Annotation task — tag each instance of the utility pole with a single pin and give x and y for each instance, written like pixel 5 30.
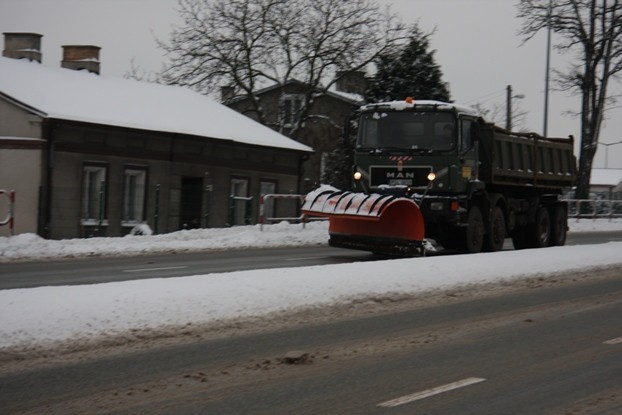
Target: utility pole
pixel 546 77
pixel 508 108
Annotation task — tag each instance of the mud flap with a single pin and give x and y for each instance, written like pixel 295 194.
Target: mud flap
pixel 371 222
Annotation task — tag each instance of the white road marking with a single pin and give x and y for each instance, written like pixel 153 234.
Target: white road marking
pixel 431 392
pixel 304 259
pixel 152 269
pixel 614 341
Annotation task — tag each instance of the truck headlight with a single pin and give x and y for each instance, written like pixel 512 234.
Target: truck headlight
pixel 357 176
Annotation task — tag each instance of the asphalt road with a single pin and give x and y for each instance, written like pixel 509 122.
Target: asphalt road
pixel 554 349
pixel 99 270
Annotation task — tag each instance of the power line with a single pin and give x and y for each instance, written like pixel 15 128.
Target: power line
pixel 490 96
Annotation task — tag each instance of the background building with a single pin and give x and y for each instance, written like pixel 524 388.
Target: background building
pixel 90 155
pixel 324 125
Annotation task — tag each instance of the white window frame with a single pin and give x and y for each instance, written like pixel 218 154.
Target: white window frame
pixel 134 195
pixel 291 106
pixel 239 189
pixel 93 176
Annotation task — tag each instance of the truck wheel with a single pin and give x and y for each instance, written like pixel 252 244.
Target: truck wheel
pixel 520 237
pixel 541 230
pixel 474 232
pixel 559 226
pixel 496 231
pixel 451 239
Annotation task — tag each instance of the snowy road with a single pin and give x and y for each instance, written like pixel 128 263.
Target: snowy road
pixel 92 270
pixel 548 348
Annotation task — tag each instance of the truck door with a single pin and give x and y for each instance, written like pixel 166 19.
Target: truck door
pixel 468 147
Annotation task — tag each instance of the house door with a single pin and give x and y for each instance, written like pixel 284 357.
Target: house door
pixel 190 207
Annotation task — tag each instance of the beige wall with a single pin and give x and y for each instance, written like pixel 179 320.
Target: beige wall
pixel 20 165
pixel 15 121
pixel 26 186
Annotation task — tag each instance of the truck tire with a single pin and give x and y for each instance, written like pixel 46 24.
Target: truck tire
pixel 474 232
pixel 540 231
pixel 451 239
pixel 559 226
pixel 520 237
pixel 495 237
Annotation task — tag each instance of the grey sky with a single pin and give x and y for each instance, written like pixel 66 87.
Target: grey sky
pixel 476 41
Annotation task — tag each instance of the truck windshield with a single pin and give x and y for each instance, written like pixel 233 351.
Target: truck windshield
pixel 424 131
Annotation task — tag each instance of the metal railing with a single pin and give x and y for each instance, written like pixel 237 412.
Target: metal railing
pixel 594 209
pixel 296 216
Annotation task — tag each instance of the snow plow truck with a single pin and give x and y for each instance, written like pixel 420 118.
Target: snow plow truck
pixel 434 170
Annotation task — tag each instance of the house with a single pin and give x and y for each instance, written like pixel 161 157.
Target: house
pixel 92 155
pixel 607 183
pixel 324 125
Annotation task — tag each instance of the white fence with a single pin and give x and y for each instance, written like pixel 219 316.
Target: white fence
pixel 594 209
pixel 579 209
pixel 296 215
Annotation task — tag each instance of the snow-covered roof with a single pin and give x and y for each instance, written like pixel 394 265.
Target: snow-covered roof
pixel 606 177
pixel 408 105
pixel 353 98
pixel 82 96
pixel 349 97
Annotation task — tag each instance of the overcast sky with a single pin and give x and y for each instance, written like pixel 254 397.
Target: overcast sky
pixel 476 45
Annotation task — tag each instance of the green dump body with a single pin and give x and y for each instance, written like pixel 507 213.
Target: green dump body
pixel 525 159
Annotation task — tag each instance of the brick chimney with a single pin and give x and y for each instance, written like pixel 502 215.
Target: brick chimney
pixel 80 57
pixel 22 46
pixel 351 81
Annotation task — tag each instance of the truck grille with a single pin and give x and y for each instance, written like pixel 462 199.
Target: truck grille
pixel 405 176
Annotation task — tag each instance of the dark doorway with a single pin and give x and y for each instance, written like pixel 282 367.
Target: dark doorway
pixel 190 207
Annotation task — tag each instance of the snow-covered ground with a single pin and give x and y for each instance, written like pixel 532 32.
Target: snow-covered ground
pixel 40 316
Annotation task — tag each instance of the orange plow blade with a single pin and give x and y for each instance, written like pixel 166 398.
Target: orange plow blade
pixel 370 222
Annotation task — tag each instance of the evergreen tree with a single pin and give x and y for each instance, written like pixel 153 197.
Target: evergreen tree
pixel 409 72
pixel 338 163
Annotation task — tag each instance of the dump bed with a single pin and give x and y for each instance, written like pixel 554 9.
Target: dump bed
pixel 526 159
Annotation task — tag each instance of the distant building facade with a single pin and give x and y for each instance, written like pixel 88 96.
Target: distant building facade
pixel 94 156
pixel 606 183
pixel 325 123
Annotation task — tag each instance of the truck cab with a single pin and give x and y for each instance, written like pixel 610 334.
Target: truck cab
pixel 400 144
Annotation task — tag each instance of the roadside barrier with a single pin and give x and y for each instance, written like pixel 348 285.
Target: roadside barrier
pixel 263 199
pixel 594 208
pixel 10 218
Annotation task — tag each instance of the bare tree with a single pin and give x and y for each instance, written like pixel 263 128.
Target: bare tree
pixel 250 44
pixel 592 31
pixel 496 113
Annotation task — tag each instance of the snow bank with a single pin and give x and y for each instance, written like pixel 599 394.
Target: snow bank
pixel 39 316
pixel 30 246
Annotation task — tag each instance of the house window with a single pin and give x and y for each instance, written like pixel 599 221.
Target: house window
pixel 93 192
pixel 292 105
pixel 239 213
pixel 134 191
